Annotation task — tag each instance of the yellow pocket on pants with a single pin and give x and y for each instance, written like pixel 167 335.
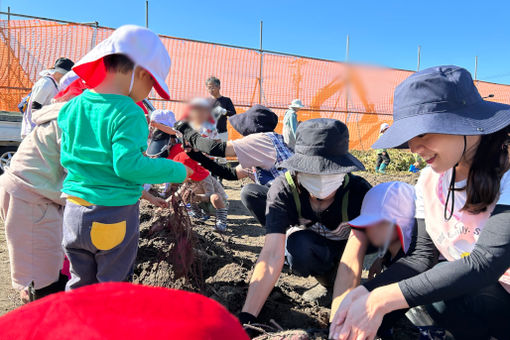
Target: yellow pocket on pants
pixel 107 236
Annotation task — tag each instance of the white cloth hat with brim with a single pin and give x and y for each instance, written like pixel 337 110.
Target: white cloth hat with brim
pixel 165 117
pixel 296 104
pixel 393 202
pixel 140 44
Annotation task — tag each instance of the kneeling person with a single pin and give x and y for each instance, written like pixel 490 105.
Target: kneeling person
pixel 318 196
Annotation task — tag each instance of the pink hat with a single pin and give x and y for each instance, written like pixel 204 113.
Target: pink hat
pixel 393 202
pixel 140 44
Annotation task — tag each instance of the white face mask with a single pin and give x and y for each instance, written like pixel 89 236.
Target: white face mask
pixel 321 186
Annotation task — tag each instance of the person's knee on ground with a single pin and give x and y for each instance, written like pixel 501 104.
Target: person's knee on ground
pixel 306 257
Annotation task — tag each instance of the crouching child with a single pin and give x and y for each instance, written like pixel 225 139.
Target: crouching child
pixel 207 194
pixel 104 136
pixel 386 222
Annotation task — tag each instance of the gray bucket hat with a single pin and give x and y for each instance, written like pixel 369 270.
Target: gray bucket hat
pixel 322 147
pixel 444 100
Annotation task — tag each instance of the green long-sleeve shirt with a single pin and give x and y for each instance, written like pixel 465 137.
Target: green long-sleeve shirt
pixel 103 140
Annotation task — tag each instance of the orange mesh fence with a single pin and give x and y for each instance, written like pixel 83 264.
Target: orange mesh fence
pixel 360 96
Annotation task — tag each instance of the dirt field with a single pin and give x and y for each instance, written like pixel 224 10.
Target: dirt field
pixel 222 264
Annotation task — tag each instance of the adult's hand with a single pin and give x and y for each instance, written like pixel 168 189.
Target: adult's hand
pixel 340 316
pixel 362 321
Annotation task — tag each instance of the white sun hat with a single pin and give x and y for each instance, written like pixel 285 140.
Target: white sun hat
pixel 165 117
pixel 393 202
pixel 140 44
pixel 296 104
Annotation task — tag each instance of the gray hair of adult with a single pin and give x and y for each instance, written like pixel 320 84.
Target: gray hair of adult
pixel 213 80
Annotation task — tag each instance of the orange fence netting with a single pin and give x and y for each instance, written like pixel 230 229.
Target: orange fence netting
pixel 360 96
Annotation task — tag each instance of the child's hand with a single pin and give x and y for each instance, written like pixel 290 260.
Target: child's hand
pixel 189 172
pixel 159 202
pixel 375 268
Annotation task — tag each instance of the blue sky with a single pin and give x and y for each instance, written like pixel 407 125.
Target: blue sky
pixel 381 32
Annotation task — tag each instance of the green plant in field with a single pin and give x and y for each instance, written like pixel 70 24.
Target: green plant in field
pixel 400 159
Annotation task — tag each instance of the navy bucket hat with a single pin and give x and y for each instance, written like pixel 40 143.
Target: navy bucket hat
pixel 322 147
pixel 257 118
pixel 442 100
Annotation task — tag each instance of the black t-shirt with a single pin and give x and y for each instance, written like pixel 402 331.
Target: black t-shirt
pixel 281 210
pixel 226 103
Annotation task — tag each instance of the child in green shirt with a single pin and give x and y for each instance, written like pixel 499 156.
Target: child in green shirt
pixel 104 135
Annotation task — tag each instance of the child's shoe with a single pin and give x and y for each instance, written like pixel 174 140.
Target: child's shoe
pixel 195 212
pixel 220 226
pixel 382 168
pixel 221 219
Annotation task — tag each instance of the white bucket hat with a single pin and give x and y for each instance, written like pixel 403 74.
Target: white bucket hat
pixel 140 44
pixel 296 104
pixel 165 117
pixel 393 202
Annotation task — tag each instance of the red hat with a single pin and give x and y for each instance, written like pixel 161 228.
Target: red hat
pixel 199 172
pixel 122 311
pixel 145 111
pixel 72 90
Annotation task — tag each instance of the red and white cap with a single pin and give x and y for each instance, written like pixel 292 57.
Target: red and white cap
pixel 140 44
pixel 393 202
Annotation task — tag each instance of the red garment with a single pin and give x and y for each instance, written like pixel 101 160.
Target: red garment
pixel 122 311
pixel 178 154
pixel 145 111
pixel 74 89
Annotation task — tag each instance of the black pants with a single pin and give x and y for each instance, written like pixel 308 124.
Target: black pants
pixel 309 253
pixel 478 315
pixel 254 197
pixel 383 157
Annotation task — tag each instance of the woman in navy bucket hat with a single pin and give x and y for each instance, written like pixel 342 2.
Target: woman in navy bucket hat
pixel 462 212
